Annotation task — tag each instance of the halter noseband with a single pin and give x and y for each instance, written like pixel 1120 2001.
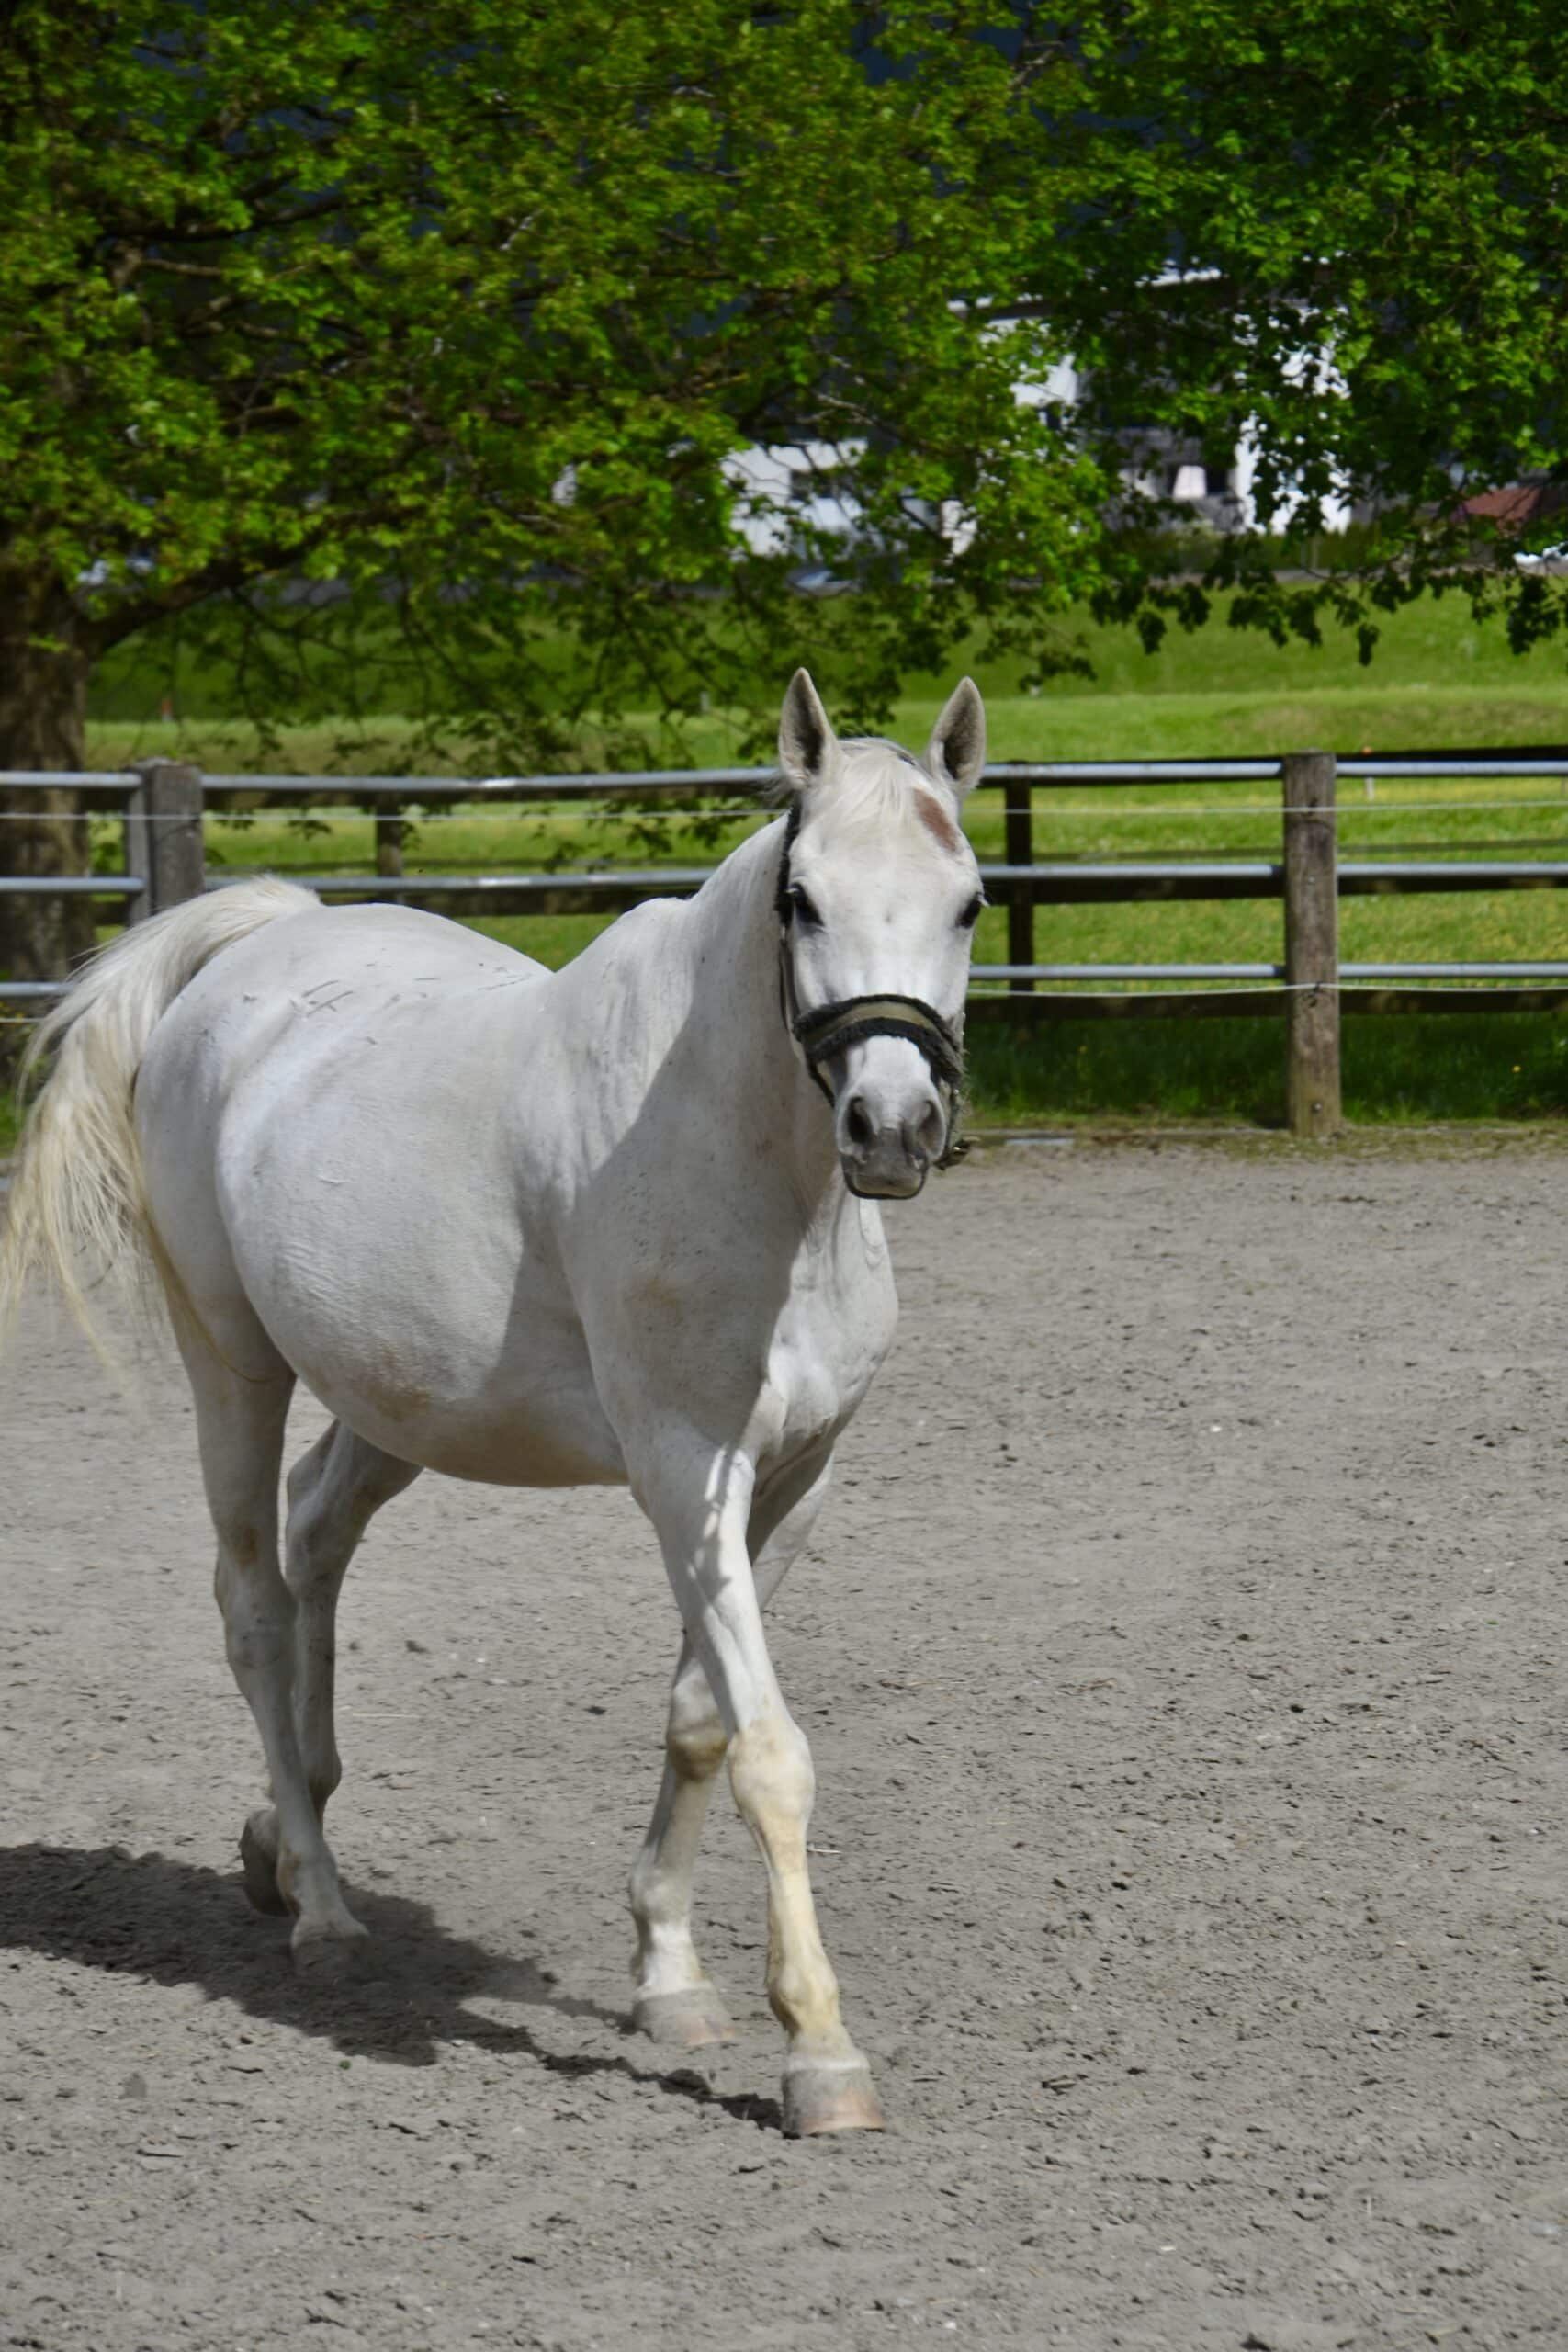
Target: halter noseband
pixel 831 1029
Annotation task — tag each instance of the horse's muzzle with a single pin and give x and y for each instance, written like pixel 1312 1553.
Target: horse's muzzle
pixel 885 1150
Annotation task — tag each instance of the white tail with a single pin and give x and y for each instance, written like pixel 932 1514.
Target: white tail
pixel 77 1206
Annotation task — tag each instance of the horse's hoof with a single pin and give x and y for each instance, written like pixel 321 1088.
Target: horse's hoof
pixel 692 2019
pixel 829 2099
pixel 330 1953
pixel 260 1863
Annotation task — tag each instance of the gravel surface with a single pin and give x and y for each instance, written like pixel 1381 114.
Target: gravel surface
pixel 1181 1654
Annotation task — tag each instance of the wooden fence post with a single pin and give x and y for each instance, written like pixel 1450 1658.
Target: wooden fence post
pixel 175 861
pixel 1312 944
pixel 1017 801
pixel 387 822
pixel 137 854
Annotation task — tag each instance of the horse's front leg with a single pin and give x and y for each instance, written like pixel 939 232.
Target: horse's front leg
pixel 700 1502
pixel 676 2002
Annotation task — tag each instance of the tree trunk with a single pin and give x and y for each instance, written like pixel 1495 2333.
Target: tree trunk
pixel 43 707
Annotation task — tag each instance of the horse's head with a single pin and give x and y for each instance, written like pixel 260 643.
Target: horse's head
pixel 877 897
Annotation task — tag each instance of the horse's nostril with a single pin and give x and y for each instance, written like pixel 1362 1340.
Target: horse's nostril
pixel 930 1134
pixel 858 1128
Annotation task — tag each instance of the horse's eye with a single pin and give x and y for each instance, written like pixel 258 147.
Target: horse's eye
pixel 802 907
pixel 971 914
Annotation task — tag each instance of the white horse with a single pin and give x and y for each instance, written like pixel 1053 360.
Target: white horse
pixel 543 1230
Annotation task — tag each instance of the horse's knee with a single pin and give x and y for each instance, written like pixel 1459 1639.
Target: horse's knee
pixel 695 1739
pixel 771 1775
pixel 696 1752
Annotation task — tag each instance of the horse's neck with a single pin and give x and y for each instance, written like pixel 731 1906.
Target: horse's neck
pixel 739 1025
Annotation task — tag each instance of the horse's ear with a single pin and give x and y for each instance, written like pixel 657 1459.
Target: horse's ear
pixel 806 741
pixel 956 753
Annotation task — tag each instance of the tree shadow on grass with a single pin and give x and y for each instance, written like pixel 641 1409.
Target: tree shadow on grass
pixel 176 1923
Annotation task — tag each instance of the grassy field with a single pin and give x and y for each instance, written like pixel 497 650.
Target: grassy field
pixel 1436 676
pixel 1437 681
pixel 1248 720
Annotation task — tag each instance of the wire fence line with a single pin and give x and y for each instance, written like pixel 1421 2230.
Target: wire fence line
pixel 328 810
pixel 750 814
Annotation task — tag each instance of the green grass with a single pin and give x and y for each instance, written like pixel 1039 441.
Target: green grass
pixel 1433 645
pixel 1436 677
pixel 1245 721
pixel 1397 1069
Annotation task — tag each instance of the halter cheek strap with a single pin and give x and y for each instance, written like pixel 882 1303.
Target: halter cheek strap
pixel 832 1029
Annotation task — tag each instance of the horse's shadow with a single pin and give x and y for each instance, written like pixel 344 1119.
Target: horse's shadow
pixel 176 1923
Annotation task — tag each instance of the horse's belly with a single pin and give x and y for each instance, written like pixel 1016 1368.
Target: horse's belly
pixel 457 1347
pixel 534 1422
pixel 526 1441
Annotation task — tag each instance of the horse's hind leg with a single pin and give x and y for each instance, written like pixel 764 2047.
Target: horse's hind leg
pixel 239 1421
pixel 334 1490
pixel 676 2002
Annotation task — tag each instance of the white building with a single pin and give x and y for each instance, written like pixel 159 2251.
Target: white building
pixel 798 494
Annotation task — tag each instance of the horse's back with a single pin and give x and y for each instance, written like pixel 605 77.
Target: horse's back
pixel 363 956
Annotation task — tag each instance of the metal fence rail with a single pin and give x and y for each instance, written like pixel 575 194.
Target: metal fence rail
pixel 161 806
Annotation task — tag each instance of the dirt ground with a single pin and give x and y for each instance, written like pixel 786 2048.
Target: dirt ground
pixel 1182 1656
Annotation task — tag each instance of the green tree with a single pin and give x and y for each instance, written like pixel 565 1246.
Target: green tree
pixel 1370 200
pixel 464 309
pixel 428 337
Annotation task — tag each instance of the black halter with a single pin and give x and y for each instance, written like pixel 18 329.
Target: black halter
pixel 831 1029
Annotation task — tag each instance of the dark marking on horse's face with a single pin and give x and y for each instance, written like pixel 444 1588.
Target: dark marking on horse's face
pixel 937 822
